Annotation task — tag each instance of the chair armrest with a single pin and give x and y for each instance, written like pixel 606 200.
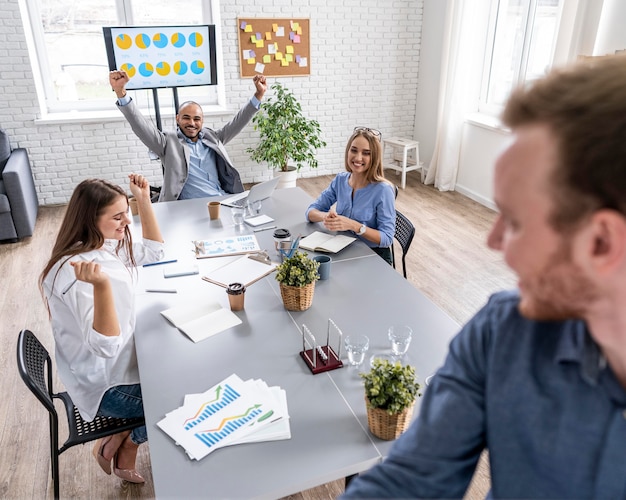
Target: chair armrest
pixel 20 187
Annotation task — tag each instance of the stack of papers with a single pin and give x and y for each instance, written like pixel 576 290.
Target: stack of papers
pixel 231 412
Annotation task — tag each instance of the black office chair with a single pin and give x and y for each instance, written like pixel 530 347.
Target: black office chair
pixel 35 367
pixel 404 234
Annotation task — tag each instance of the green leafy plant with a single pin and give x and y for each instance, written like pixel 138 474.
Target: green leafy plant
pixel 285 133
pixel 390 386
pixel 297 270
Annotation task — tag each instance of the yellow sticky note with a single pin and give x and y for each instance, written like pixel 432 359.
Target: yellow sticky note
pixel 260 44
pixel 268 35
pixel 289 57
pixel 248 28
pixel 253 38
pixel 267 59
pixel 299 30
pixel 289 49
pixel 274 27
pixel 279 56
pixel 252 60
pixel 295 26
pixel 284 62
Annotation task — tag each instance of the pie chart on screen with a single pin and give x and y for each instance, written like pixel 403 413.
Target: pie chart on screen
pixel 123 41
pixel 162 68
pixel 197 67
pixel 180 67
pixel 159 40
pixel 146 69
pixel 178 40
pixel 195 39
pixel 129 68
pixel 142 41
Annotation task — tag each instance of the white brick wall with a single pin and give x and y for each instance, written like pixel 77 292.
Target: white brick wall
pixel 364 62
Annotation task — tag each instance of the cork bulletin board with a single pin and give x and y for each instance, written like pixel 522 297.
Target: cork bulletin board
pixel 274 47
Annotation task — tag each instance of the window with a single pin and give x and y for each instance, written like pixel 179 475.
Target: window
pixel 523 38
pixel 69 53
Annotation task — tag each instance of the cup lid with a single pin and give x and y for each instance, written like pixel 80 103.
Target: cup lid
pixel 282 233
pixel 235 288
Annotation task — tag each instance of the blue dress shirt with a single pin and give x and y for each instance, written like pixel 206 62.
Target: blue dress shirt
pixel 538 395
pixel 373 205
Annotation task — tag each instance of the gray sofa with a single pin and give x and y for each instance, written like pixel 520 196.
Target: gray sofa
pixel 18 197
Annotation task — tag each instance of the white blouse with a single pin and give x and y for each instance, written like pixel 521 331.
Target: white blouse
pixel 88 362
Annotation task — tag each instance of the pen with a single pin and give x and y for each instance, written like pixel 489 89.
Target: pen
pixel 157 290
pixel 160 262
pixel 71 284
pixel 263 229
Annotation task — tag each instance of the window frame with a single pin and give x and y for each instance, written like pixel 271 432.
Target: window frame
pixel 51 108
pixel 562 38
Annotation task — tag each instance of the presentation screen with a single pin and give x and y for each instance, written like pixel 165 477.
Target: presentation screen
pixel 163 56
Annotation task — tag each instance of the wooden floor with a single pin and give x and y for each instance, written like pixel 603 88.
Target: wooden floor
pixel 448 261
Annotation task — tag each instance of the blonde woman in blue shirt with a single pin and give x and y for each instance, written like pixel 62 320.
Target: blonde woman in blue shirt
pixel 360 200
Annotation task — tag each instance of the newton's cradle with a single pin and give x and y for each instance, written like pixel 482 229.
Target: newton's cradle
pixel 321 358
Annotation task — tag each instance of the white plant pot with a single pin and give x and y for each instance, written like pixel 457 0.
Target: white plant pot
pixel 287 179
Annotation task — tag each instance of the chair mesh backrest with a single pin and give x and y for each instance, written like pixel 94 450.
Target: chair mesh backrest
pixel 33 362
pixel 404 231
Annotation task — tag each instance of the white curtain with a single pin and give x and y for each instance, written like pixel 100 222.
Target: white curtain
pixel 461 70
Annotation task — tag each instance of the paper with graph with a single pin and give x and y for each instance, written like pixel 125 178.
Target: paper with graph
pixel 229 413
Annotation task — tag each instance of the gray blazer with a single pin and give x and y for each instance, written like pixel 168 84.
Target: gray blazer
pixel 171 148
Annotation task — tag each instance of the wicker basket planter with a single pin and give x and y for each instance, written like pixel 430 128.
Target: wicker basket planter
pixel 297 298
pixel 386 426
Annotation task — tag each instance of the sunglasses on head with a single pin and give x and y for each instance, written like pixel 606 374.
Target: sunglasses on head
pixel 373 131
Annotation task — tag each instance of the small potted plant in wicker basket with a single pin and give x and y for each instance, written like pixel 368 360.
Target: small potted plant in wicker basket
pixel 297 275
pixel 390 393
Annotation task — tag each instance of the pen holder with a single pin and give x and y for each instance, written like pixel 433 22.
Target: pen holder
pixel 236 293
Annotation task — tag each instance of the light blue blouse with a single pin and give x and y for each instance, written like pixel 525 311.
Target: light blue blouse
pixel 373 205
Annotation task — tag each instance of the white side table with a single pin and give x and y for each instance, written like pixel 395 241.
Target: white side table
pixel 401 160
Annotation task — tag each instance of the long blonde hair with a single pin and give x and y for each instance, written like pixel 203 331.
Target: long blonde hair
pixel 375 171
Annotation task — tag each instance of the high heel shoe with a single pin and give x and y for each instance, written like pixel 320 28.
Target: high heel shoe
pixel 98 453
pixel 130 475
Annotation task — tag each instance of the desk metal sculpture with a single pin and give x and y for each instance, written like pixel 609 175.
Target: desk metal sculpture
pixel 321 358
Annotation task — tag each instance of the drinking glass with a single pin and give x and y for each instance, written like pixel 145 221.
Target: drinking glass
pixel 400 337
pixel 254 208
pixel 356 346
pixel 238 214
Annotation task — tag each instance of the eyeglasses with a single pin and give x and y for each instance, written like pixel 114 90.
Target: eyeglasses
pixel 373 131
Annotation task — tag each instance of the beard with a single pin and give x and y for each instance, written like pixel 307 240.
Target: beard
pixel 559 292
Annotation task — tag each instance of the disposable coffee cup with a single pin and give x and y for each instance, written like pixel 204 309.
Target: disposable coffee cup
pixel 214 209
pixel 132 203
pixel 236 293
pixel 282 240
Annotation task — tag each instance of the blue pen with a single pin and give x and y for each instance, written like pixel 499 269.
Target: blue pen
pixel 161 262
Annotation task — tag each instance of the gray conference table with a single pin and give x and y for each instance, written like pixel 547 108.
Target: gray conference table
pixel 329 437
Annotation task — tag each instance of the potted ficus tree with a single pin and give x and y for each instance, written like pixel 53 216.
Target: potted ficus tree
pixel 391 390
pixel 297 276
pixel 288 140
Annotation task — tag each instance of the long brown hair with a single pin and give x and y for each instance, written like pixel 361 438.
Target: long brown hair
pixel 79 230
pixel 375 171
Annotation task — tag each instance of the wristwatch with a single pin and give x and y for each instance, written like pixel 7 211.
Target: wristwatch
pixel 362 229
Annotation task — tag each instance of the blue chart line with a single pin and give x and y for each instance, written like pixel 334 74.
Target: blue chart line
pixel 213 438
pixel 228 397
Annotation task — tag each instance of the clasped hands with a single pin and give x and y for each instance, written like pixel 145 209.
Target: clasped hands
pixel 335 222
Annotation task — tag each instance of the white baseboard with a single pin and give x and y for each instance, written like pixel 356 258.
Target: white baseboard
pixel 472 195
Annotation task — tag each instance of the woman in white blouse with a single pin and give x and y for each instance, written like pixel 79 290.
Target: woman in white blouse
pixel 88 286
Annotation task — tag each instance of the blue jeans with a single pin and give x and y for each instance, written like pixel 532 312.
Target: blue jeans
pixel 124 401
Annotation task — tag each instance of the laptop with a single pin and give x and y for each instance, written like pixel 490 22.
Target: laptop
pixel 259 191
